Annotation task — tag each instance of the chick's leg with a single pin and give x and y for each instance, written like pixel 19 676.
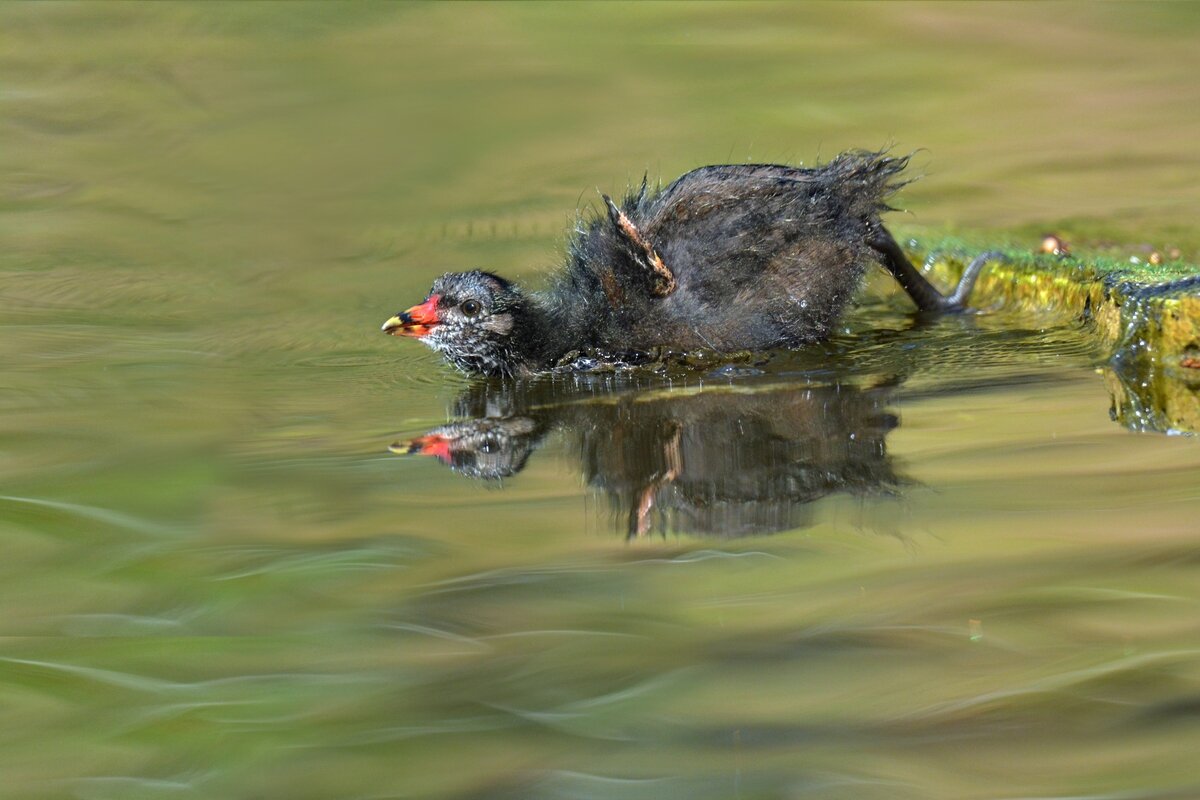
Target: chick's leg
pixel 922 292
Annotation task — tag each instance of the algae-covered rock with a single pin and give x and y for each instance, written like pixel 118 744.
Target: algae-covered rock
pixel 1146 311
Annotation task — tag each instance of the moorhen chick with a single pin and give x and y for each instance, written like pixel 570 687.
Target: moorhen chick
pixel 726 258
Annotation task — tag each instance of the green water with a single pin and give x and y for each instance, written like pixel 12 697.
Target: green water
pixel 921 561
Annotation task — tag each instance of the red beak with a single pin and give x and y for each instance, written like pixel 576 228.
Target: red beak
pixel 417 321
pixel 432 444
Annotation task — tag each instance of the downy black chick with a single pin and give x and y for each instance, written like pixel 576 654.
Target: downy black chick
pixel 726 258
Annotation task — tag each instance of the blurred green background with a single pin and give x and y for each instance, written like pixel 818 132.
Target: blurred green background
pixel 217 582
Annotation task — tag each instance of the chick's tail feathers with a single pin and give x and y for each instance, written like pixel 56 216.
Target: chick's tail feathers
pixel 865 179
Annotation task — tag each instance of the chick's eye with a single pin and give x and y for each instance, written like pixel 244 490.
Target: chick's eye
pixel 471 307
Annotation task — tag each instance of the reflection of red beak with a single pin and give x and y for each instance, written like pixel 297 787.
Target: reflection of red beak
pixel 417 321
pixel 431 444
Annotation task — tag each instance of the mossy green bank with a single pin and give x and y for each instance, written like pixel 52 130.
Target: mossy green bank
pixel 1142 304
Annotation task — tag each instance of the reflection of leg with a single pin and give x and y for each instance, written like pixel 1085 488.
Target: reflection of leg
pixel 673 455
pixel 639 515
pixel 921 290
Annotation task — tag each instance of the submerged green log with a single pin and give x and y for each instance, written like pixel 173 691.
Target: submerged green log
pixel 1146 311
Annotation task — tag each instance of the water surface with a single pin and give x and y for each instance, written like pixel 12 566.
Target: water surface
pixel 919 561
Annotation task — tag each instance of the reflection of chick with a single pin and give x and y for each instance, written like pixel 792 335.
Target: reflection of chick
pixel 716 462
pixel 736 464
pixel 478 448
